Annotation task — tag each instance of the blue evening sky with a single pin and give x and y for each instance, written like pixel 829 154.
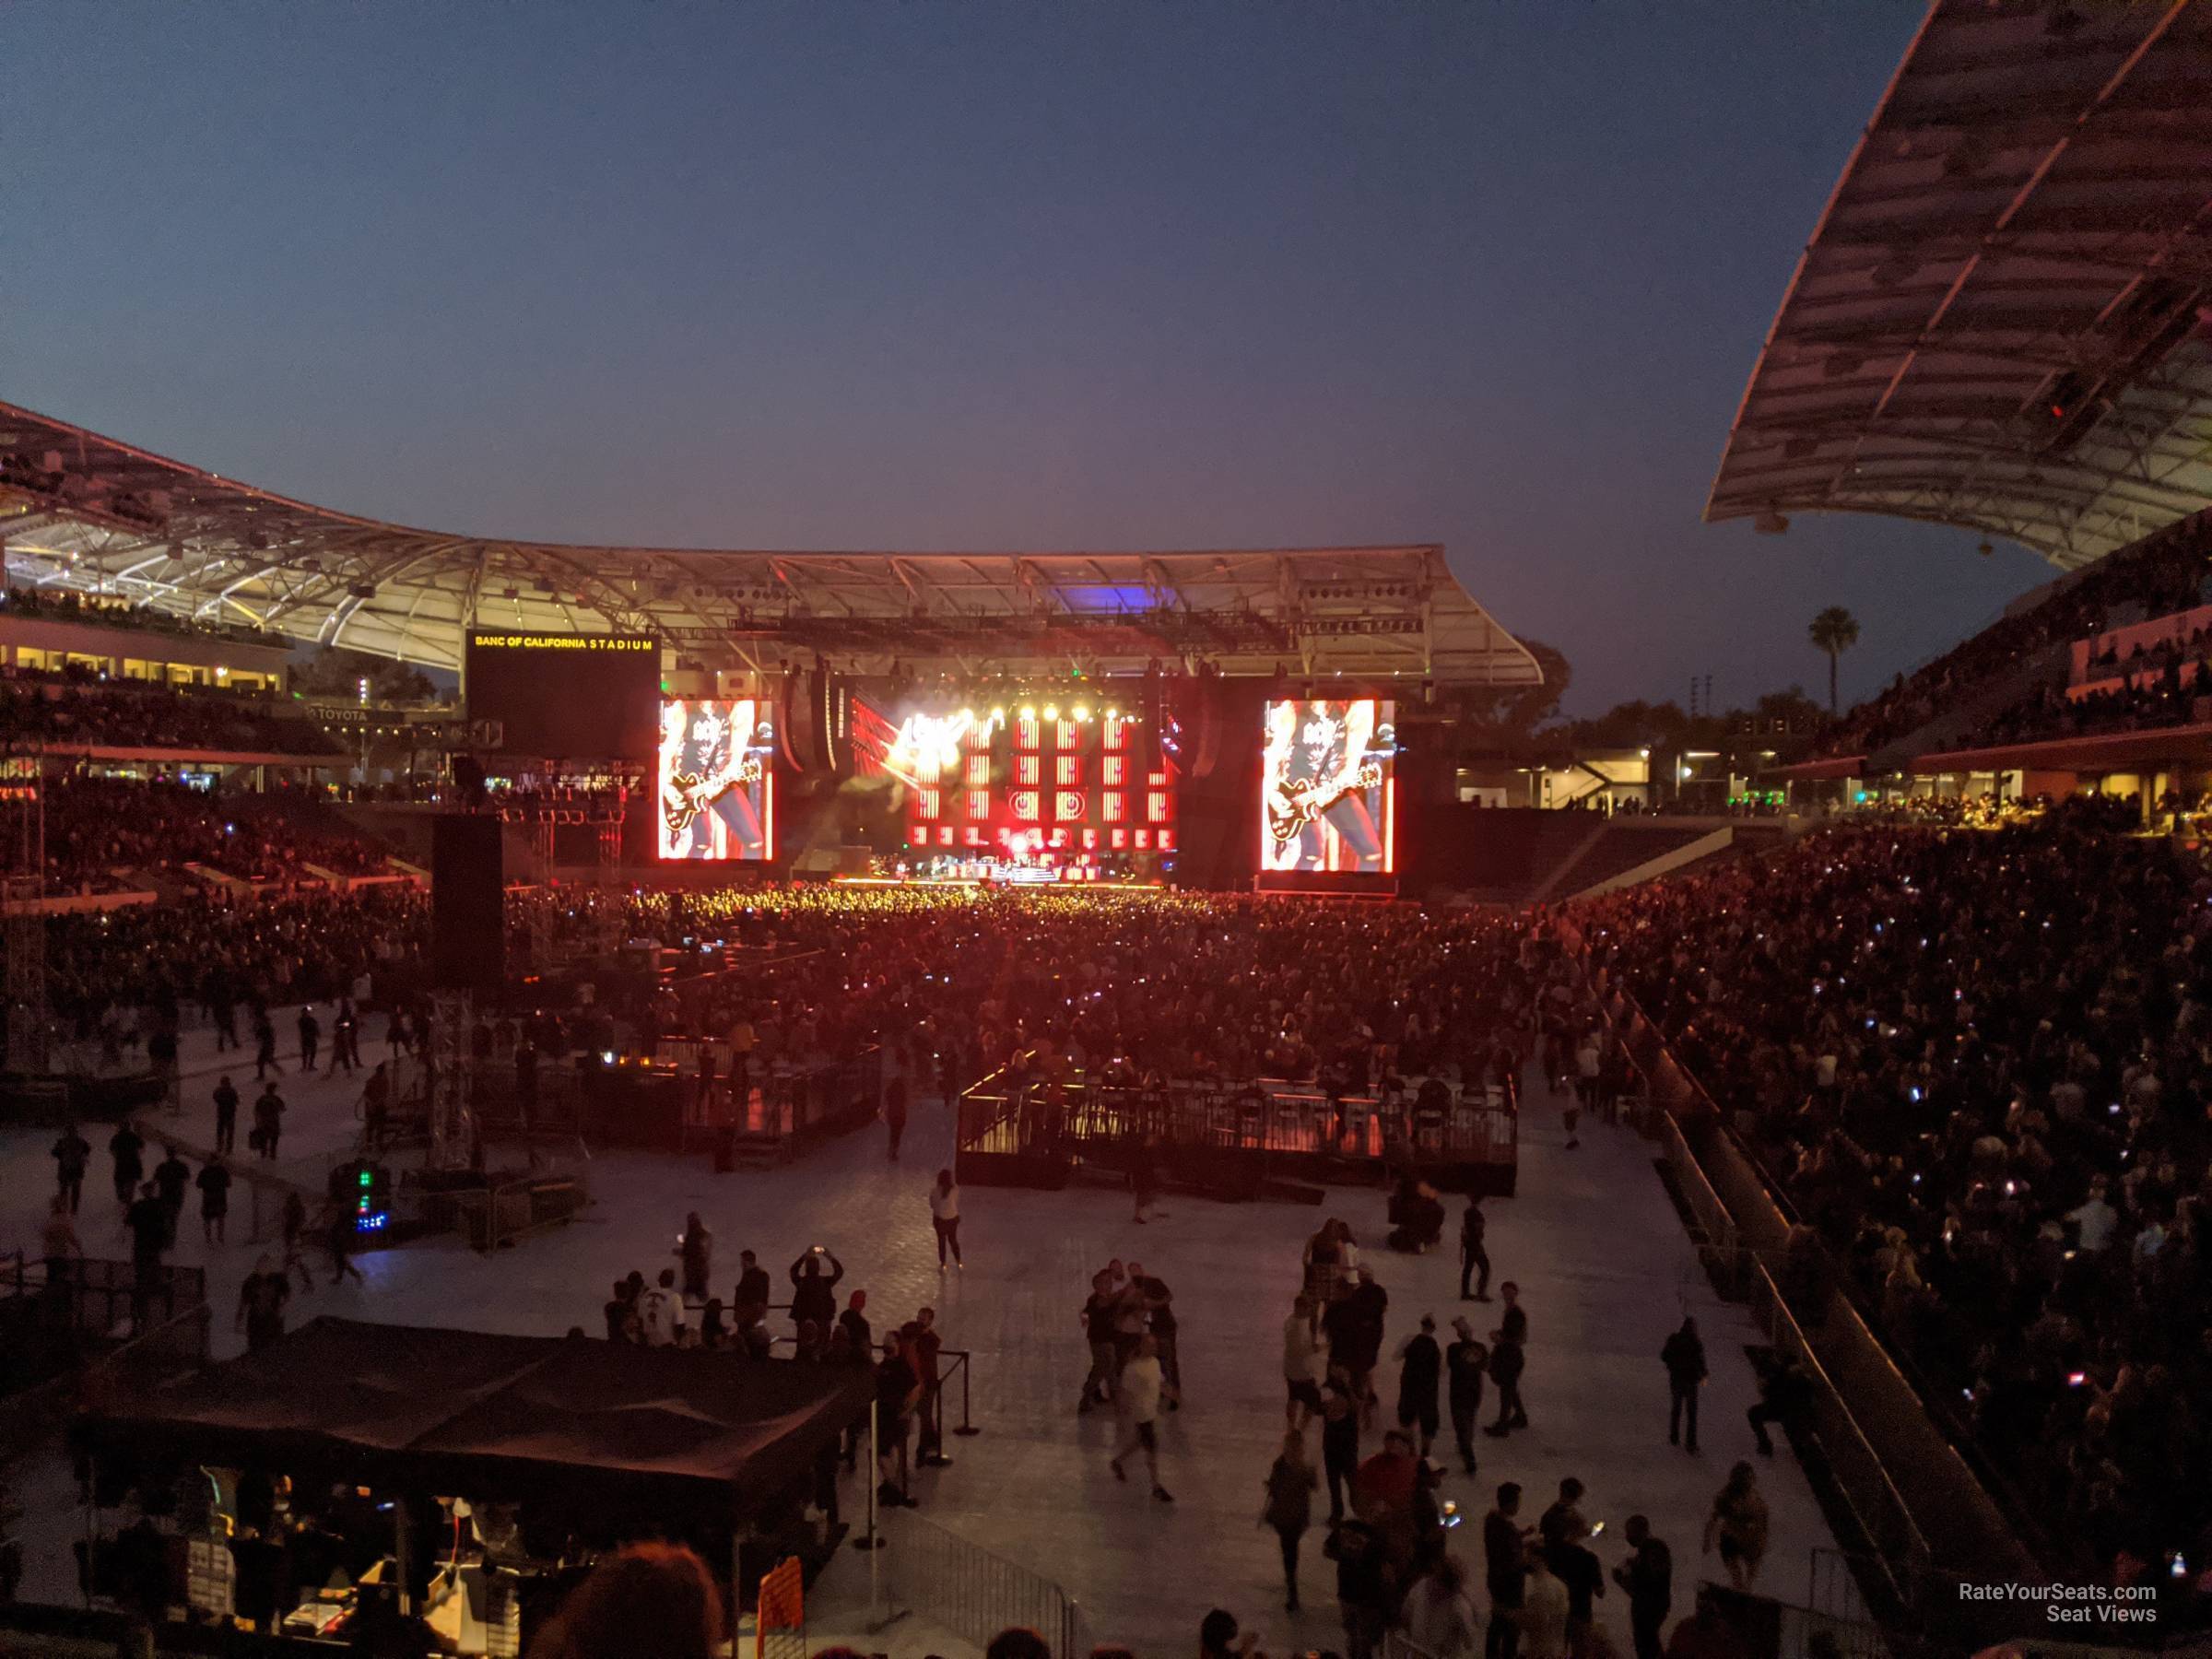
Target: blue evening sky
pixel 1048 274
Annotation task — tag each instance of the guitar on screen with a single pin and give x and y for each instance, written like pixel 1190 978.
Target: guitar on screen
pixel 1299 804
pixel 686 795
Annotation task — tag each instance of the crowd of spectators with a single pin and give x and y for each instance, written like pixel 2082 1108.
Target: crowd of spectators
pixel 1990 810
pixel 101 830
pixel 2176 650
pixel 61 604
pixel 1166 986
pixel 2162 574
pixel 2174 698
pixel 1974 1054
pixel 72 708
pixel 678 1308
pixel 142 963
pixel 1978 1067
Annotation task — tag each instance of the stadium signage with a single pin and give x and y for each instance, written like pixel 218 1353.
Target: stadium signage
pixel 539 641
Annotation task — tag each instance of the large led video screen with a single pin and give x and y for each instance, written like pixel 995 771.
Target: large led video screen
pixel 566 697
pixel 717 779
pixel 1327 796
pixel 1079 781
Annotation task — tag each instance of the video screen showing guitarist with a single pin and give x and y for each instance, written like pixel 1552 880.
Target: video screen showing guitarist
pixel 714 779
pixel 1321 785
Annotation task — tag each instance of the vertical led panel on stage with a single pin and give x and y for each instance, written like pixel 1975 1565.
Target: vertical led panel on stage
pixel 1328 789
pixel 1060 784
pixel 717 779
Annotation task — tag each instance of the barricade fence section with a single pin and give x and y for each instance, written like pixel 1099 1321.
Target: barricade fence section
pixel 1292 1125
pixel 967 1591
pixel 780 1613
pixel 1880 1509
pixel 1723 1256
pixel 496 1217
pixel 81 1297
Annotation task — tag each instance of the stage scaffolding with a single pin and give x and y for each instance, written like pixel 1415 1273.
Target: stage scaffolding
pixel 453 1125
pixel 23 883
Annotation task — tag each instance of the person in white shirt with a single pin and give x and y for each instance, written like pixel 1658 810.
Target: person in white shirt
pixel 1543 1616
pixel 945 1216
pixel 1305 1363
pixel 2094 1219
pixel 662 1313
pixel 1439 1617
pixel 1139 1393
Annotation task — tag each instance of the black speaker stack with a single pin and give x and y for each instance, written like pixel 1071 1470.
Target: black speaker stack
pixel 468 924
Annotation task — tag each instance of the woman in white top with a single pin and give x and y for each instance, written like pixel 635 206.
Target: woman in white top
pixel 1543 1613
pixel 945 1216
pixel 1139 1393
pixel 1438 1617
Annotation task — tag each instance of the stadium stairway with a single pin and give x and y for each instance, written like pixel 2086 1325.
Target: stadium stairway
pixel 1521 851
pixel 1633 849
pixel 166 889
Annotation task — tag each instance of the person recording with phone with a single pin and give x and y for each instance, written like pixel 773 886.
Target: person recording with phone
pixel 814 1292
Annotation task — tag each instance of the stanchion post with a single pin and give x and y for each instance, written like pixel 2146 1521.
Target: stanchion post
pixel 402 1567
pixel 871 1540
pixel 933 1414
pixel 966 1365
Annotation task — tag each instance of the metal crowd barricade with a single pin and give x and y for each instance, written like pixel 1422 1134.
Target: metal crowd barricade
pixel 962 1588
pixel 499 1216
pixel 85 1297
pixel 1000 1115
pixel 780 1615
pixel 1858 1470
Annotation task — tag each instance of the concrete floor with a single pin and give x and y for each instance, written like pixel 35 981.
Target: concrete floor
pixel 1605 1270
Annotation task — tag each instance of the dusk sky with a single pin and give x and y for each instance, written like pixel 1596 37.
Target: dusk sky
pixel 1100 273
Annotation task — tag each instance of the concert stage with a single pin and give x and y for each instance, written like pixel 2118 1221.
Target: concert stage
pixel 1231 1143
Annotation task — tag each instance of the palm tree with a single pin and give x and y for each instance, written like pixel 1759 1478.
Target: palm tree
pixel 1834 630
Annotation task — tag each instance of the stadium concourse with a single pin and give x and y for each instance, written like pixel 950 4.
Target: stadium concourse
pixel 1604 1267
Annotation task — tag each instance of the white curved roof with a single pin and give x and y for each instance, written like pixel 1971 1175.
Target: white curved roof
pixel 2000 321
pixel 82 512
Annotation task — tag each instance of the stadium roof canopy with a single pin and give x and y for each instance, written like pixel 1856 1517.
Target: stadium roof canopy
pixel 83 512
pixel 2000 321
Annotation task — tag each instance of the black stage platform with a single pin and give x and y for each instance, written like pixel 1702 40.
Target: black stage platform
pixel 1232 1142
